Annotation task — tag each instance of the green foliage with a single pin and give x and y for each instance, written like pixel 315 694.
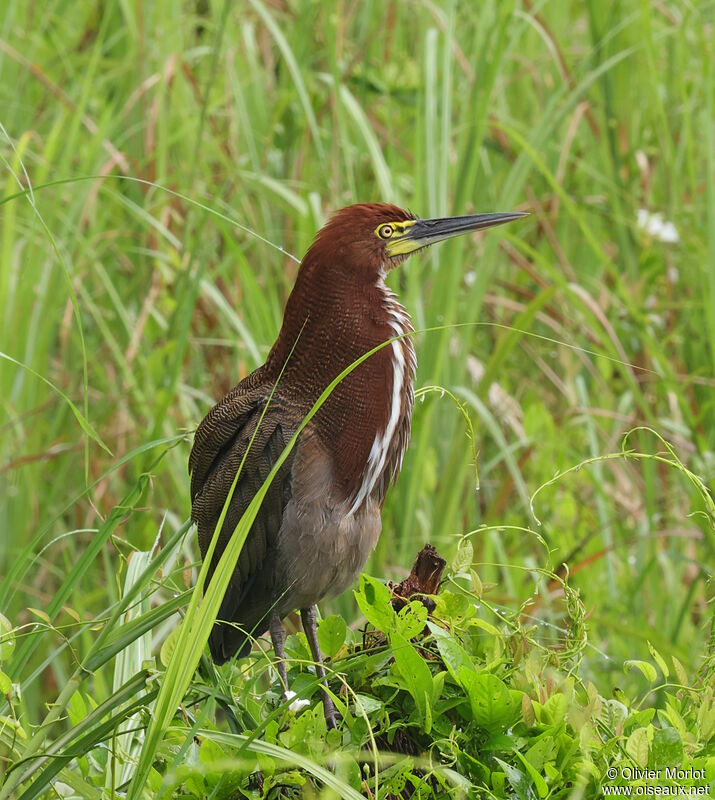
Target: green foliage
pixel 436 704
pixel 161 166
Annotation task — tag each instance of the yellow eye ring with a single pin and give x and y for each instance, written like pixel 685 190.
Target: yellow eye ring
pixel 385 231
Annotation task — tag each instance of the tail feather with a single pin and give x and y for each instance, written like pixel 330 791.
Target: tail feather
pixel 238 624
pixel 228 640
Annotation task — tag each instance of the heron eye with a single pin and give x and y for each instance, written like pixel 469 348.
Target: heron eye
pixel 385 231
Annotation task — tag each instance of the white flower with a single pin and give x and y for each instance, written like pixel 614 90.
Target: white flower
pixel 297 704
pixel 657 227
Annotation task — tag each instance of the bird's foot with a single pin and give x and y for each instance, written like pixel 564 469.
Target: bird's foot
pixel 331 714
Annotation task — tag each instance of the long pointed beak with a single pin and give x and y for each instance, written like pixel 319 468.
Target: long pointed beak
pixel 423 232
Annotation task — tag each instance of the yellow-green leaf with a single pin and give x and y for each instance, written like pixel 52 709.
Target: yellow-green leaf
pixel 647 669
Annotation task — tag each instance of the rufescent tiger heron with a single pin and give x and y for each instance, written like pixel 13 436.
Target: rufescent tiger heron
pixel 321 516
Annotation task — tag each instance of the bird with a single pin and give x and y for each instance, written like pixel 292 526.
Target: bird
pixel 321 516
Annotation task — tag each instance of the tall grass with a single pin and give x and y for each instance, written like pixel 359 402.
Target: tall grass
pixel 162 166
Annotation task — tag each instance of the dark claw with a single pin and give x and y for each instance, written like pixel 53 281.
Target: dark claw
pixel 331 715
pixel 308 618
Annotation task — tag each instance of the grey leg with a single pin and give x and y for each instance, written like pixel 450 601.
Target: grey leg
pixel 278 637
pixel 308 618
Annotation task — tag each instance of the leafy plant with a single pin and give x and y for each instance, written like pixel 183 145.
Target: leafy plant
pixel 163 166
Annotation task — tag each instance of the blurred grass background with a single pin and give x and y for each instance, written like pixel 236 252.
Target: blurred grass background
pixel 162 160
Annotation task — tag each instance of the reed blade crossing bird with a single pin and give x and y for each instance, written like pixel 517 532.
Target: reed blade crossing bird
pixel 321 516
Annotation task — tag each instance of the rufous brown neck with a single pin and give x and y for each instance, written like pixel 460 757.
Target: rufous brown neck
pixel 334 315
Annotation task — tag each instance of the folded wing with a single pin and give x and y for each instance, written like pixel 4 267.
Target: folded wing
pixel 221 442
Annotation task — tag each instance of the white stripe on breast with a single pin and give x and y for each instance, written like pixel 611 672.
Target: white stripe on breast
pixel 381 445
